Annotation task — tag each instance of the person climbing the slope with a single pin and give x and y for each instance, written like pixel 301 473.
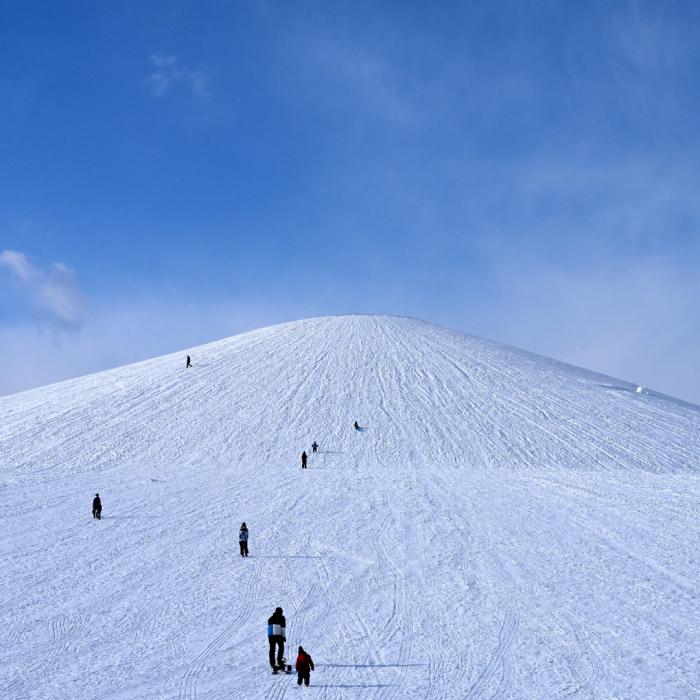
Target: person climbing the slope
pixel 356 426
pixel 303 459
pixel 97 507
pixel 304 666
pixel 314 447
pixel 243 540
pixel 276 636
pixel 189 362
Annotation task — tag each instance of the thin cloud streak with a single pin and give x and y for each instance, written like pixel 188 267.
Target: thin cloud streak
pixel 167 73
pixel 53 293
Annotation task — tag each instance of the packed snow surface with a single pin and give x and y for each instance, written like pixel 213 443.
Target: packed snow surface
pixel 504 526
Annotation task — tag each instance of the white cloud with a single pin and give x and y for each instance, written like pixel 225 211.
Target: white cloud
pixel 19 264
pixel 166 73
pixel 53 292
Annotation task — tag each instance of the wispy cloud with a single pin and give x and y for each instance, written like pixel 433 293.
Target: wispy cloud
pixel 364 78
pixel 167 73
pixel 52 292
pixel 646 38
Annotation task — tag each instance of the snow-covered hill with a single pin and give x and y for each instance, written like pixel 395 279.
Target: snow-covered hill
pixel 506 526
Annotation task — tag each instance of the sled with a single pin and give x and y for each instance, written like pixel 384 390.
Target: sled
pixel 284 668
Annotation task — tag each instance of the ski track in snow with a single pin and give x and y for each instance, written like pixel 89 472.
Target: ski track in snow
pixel 585 663
pixel 505 526
pixel 188 690
pixel 499 662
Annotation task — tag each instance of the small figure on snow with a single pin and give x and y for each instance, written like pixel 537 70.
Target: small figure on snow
pixel 277 636
pixel 189 362
pixel 314 447
pixel 304 666
pixel 243 540
pixel 356 426
pixel 97 507
pixel 303 459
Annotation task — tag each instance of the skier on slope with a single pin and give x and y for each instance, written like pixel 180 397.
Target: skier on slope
pixel 356 426
pixel 97 507
pixel 243 540
pixel 303 459
pixel 189 362
pixel 276 636
pixel 304 666
pixel 314 447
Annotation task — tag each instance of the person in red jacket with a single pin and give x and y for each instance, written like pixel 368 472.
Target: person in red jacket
pixel 304 666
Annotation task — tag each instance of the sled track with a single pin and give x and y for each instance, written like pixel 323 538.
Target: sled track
pixel 350 612
pixel 188 685
pixel 400 618
pixel 590 673
pixel 60 629
pixel 437 671
pixel 448 672
pixel 500 658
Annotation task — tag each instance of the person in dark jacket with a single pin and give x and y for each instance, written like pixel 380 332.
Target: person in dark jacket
pixel 189 362
pixel 97 507
pixel 356 426
pixel 303 459
pixel 276 636
pixel 243 540
pixel 314 447
pixel 304 666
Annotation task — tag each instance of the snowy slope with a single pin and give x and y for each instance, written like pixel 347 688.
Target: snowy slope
pixel 506 526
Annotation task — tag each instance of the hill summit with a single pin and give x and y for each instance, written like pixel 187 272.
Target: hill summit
pixel 427 393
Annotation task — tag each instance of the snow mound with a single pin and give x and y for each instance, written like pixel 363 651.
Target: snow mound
pixel 504 526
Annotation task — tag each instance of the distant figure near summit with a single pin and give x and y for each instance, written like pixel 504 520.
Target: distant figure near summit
pixel 314 447
pixel 277 636
pixel 243 540
pixel 303 459
pixel 189 362
pixel 97 507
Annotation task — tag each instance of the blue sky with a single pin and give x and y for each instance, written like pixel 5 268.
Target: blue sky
pixel 177 172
